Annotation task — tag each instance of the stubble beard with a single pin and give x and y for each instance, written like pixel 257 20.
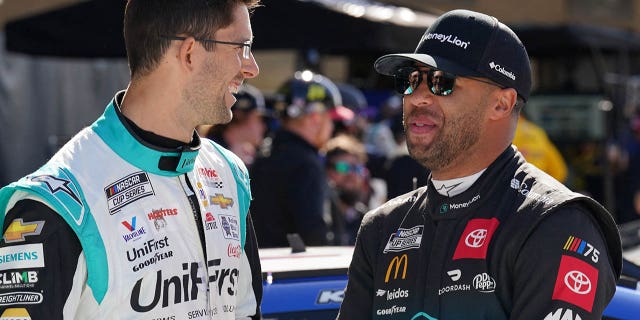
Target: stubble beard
pixel 457 136
pixel 209 106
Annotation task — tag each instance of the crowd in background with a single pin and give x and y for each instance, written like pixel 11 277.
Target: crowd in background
pixel 321 156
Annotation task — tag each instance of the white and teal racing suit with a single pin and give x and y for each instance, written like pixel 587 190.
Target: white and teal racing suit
pixel 141 232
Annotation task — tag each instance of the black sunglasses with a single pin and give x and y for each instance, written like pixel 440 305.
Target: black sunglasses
pixel 440 83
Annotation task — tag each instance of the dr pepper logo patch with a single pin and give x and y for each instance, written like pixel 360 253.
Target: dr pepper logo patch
pixel 576 283
pixel 474 242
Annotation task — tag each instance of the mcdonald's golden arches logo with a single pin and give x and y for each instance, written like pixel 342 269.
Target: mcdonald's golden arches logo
pixel 397 262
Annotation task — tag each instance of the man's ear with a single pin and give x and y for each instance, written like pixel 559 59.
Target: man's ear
pixel 186 53
pixel 505 102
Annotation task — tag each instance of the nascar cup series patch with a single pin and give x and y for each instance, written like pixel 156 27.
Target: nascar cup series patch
pixel 404 239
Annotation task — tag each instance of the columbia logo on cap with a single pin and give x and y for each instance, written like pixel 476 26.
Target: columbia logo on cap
pixel 500 69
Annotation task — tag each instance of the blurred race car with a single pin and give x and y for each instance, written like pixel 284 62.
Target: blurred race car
pixel 310 285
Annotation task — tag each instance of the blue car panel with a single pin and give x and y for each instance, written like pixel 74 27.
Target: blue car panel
pixel 310 285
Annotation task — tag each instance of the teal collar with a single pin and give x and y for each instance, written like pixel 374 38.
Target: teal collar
pixel 112 128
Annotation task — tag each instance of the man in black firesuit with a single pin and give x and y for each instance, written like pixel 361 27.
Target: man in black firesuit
pixel 490 236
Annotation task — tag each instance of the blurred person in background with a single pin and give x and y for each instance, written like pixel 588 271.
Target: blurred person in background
pixel 288 180
pixel 624 158
pixel 244 134
pixel 348 189
pixel 534 144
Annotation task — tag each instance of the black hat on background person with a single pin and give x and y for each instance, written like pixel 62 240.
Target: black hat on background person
pixel 249 98
pixel 468 43
pixel 305 93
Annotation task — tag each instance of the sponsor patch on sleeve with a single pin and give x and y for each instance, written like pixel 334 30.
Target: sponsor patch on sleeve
pixel 18 230
pixel 15 314
pixel 474 242
pixel 576 283
pixel 24 256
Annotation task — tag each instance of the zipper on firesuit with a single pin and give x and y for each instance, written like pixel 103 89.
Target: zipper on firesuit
pixel 195 208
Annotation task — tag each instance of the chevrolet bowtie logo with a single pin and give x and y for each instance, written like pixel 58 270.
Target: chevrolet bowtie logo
pixel 17 230
pixel 220 200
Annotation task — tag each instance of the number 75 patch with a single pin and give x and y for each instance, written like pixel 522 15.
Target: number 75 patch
pixel 581 247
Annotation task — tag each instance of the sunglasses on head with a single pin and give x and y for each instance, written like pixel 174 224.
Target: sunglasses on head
pixel 440 83
pixel 346 167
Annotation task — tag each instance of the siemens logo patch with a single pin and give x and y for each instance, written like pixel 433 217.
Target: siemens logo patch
pixel 22 257
pixel 404 239
pixel 127 190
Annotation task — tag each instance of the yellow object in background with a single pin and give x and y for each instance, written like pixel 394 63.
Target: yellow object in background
pixel 532 141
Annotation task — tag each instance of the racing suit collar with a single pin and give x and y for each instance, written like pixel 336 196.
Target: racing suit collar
pixel 115 131
pixel 495 176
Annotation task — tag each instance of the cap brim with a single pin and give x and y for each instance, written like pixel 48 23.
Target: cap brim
pixel 390 63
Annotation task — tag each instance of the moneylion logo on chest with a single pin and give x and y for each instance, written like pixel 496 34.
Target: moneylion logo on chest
pixel 404 239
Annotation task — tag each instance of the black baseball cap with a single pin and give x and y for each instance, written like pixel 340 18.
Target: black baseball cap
pixel 249 98
pixel 469 43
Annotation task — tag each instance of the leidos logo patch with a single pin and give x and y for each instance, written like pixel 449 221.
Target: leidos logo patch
pixel 18 229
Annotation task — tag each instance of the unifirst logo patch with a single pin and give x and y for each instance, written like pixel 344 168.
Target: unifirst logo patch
pixel 18 229
pixel 475 239
pixel 576 283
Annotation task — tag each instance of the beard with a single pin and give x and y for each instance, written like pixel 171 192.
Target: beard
pixel 458 134
pixel 206 96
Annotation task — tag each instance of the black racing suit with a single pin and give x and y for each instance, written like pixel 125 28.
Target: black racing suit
pixel 516 245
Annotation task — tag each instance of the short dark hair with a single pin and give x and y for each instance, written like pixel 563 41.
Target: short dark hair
pixel 146 20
